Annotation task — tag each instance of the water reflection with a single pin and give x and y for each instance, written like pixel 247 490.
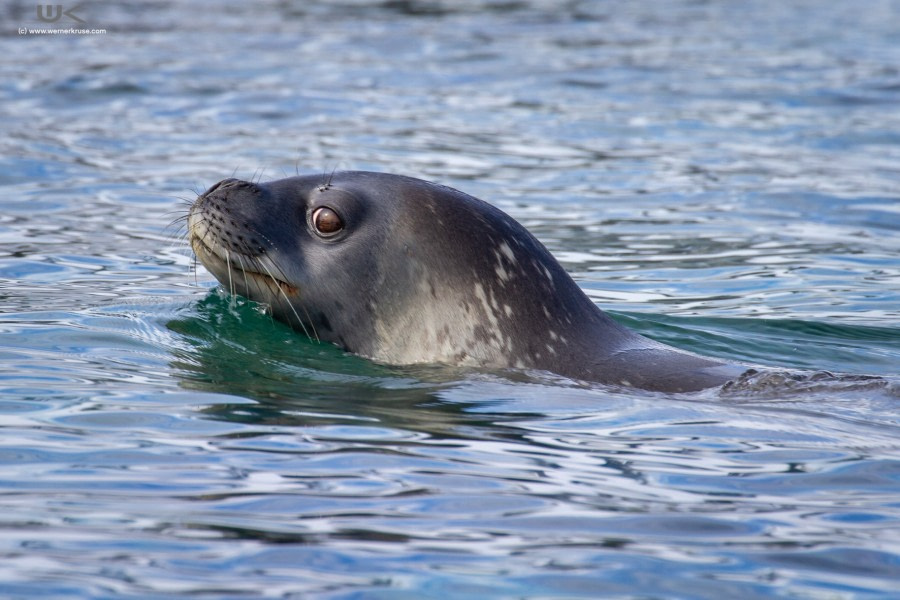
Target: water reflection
pixel 235 349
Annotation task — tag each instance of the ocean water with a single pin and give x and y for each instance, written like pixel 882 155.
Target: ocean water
pixel 722 176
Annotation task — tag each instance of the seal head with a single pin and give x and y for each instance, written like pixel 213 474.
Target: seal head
pixel 406 271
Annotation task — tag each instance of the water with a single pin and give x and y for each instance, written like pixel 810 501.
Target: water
pixel 721 176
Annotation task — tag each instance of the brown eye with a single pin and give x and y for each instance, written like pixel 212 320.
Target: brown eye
pixel 326 221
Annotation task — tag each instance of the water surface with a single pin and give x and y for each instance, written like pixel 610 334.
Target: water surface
pixel 722 176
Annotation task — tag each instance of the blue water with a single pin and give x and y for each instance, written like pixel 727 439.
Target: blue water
pixel 723 176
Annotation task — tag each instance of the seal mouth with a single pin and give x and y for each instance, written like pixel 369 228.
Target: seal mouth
pixel 236 269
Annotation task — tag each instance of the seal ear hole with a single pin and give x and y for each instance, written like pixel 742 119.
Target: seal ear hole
pixel 327 222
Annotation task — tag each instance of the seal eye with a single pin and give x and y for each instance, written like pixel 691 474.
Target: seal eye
pixel 327 222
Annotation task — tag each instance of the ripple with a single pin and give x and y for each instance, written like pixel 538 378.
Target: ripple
pixel 720 177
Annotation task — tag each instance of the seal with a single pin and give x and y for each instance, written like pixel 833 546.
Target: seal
pixel 404 271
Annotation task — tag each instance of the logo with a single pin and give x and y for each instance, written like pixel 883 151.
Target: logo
pixel 49 13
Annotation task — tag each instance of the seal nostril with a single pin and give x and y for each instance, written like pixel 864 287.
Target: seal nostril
pixel 222 184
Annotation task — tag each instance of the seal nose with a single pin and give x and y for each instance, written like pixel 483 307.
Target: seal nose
pixel 225 183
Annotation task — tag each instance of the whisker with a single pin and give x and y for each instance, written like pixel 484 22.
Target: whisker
pixel 311 324
pixel 244 271
pixel 179 224
pixel 230 281
pixel 284 277
pixel 258 175
pixel 287 300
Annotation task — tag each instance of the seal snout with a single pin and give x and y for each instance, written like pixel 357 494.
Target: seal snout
pixel 230 189
pixel 225 183
pixel 229 230
pixel 224 215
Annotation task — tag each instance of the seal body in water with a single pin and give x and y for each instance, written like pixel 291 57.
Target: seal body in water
pixel 406 271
